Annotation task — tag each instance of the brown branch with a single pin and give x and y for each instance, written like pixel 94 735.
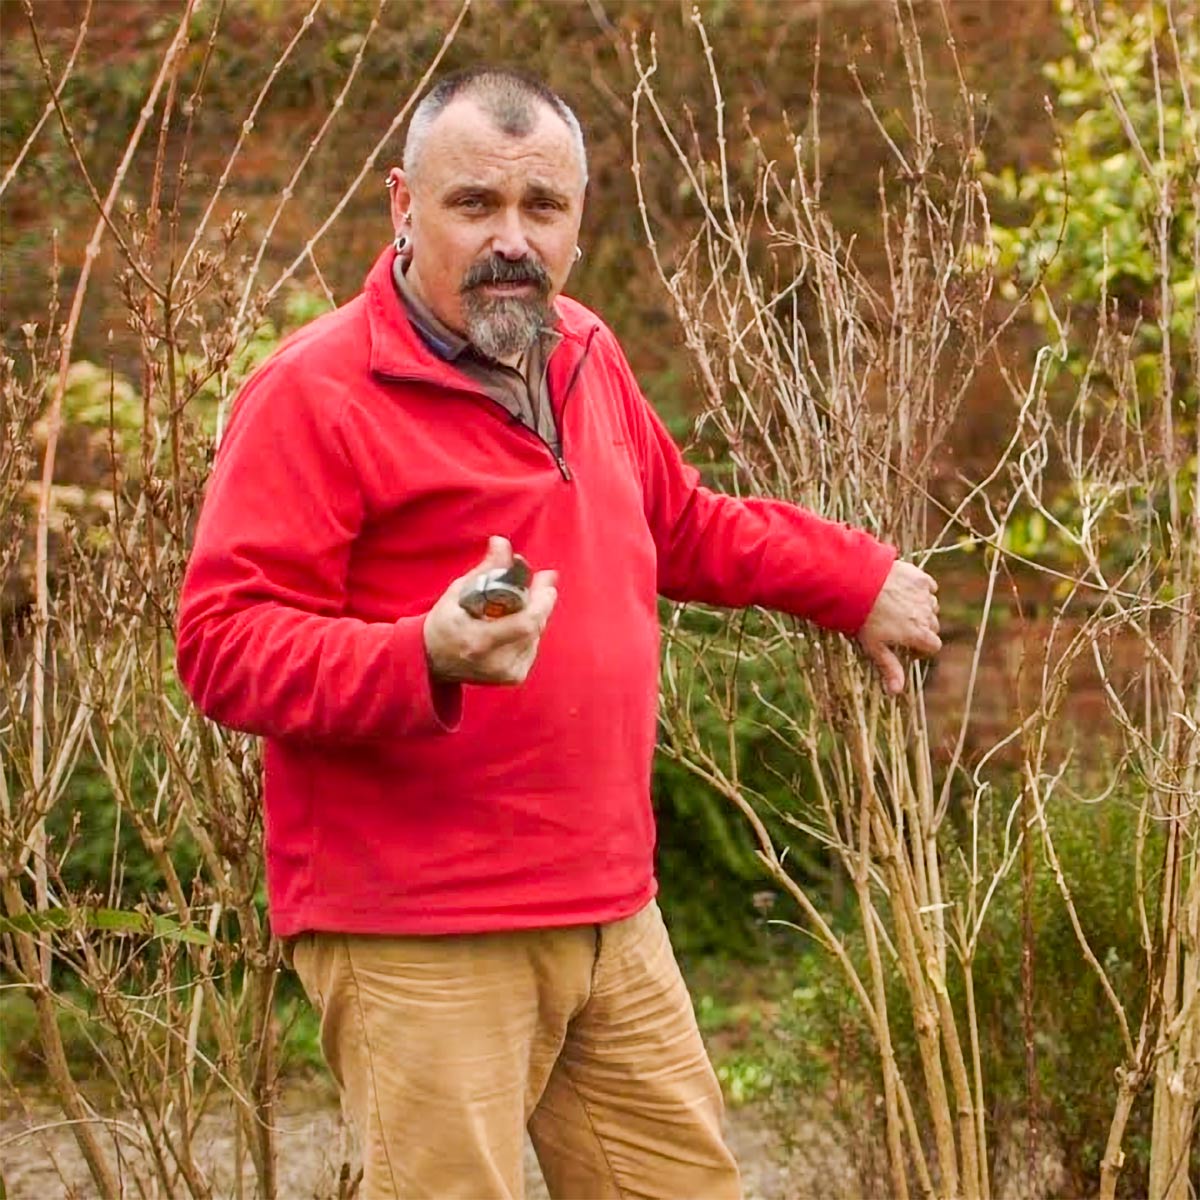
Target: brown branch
pixel 54 426
pixel 246 127
pixel 103 207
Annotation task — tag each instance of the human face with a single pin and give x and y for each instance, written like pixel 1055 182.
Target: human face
pixel 493 222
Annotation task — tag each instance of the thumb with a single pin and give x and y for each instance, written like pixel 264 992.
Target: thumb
pixel 891 669
pixel 499 554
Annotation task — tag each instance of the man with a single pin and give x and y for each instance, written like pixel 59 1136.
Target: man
pixel 459 836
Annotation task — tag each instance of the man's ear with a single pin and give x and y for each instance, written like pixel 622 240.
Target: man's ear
pixel 401 198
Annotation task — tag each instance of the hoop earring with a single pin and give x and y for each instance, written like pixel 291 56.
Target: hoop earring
pixel 578 253
pixel 400 242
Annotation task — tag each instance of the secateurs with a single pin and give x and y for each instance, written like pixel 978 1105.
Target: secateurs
pixel 498 592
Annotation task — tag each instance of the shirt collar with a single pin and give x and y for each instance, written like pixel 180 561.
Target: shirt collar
pixel 437 335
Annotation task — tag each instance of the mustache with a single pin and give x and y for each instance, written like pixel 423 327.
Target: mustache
pixel 495 269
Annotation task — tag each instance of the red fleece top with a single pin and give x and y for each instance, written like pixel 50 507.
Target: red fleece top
pixel 359 474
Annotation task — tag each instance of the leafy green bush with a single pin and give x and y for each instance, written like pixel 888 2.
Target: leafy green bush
pixel 1082 222
pixel 21 1049
pixel 1085 227
pixel 824 1048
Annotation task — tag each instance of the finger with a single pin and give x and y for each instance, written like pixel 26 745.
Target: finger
pixel 543 595
pixel 499 553
pixel 924 640
pixel 498 632
pixel 891 670
pixel 542 579
pixel 525 626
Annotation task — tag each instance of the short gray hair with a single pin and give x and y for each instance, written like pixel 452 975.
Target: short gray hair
pixel 508 96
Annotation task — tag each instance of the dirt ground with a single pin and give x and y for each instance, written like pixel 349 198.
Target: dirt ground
pixel 40 1161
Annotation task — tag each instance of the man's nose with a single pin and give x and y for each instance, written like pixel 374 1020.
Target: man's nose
pixel 508 238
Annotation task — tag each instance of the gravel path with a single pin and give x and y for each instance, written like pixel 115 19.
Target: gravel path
pixel 40 1161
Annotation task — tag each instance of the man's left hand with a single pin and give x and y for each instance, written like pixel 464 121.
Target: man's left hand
pixel 905 617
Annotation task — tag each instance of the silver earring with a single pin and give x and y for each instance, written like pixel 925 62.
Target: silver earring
pixel 578 253
pixel 389 182
pixel 400 242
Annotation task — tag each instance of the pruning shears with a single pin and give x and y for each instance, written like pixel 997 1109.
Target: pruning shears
pixel 498 592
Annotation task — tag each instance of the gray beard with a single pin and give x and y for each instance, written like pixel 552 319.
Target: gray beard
pixel 505 327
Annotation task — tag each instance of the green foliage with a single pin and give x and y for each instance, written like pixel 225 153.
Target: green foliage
pixel 744 1077
pixel 20 1047
pixel 1087 228
pixel 1077 1039
pixel 101 399
pixel 735 1004
pixel 104 920
pixel 708 866
pixel 824 1046
pixel 1084 223
pixel 104 844
pixel 300 1025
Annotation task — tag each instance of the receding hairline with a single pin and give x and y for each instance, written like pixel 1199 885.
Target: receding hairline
pixel 510 99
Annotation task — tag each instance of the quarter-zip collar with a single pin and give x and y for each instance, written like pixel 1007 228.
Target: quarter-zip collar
pixel 521 390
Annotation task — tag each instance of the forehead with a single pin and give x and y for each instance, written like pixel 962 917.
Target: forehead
pixel 466 145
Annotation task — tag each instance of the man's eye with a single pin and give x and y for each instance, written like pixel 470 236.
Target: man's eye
pixel 473 203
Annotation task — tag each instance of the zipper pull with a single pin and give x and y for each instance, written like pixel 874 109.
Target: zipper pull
pixel 562 466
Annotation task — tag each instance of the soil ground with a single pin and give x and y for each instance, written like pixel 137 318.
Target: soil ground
pixel 40 1161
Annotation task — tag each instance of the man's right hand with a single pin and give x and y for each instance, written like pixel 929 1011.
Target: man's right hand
pixel 465 649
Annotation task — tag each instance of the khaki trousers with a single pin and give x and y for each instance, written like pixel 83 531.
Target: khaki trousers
pixel 447 1048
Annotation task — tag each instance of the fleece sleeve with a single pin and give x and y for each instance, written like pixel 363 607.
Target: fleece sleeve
pixel 730 551
pixel 263 644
